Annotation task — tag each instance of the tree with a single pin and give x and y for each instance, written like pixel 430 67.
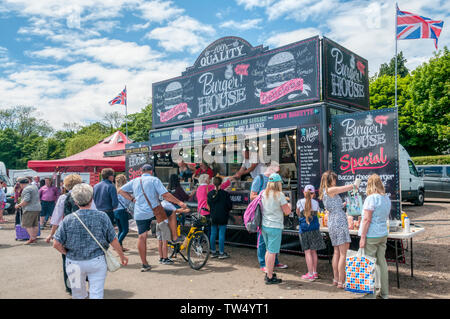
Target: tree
pixel 423 105
pixel 139 124
pixel 389 69
pixel 430 105
pixel 23 120
pixel 114 120
pixel 86 137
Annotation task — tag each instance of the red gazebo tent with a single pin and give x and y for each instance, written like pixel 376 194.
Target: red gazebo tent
pixel 90 160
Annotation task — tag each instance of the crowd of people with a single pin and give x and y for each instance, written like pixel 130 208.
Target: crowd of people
pixel 82 219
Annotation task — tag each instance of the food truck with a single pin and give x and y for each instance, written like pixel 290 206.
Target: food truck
pixel 280 101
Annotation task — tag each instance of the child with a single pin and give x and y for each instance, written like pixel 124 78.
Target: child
pixel 309 233
pixel 163 231
pixel 220 205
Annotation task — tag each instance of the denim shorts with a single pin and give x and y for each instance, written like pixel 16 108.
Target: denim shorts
pixel 272 238
pixel 144 225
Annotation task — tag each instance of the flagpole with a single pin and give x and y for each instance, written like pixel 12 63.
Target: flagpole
pixel 126 114
pixel 395 33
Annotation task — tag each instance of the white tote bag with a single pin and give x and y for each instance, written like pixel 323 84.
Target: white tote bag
pixel 112 262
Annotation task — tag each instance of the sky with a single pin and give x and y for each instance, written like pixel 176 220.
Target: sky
pixel 68 59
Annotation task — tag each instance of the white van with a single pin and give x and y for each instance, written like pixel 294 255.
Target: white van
pixel 411 182
pixel 10 188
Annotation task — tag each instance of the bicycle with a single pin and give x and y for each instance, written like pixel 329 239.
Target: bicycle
pixel 196 243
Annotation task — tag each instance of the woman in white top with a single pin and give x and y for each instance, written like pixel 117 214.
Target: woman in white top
pixel 275 206
pixel 373 229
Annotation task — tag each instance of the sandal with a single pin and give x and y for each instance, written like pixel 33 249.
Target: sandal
pixel 340 285
pixel 335 282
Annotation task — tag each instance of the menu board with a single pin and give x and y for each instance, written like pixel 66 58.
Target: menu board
pixel 232 77
pixel 285 118
pixel 365 143
pixel 134 161
pixel 310 152
pixel 345 76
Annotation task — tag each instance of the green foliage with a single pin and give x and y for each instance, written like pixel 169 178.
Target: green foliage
pixel 86 137
pixel 139 124
pixel 431 160
pixel 423 102
pixel 389 69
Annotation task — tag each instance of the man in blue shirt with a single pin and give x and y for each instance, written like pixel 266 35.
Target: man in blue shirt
pixel 259 184
pixel 143 214
pixel 105 194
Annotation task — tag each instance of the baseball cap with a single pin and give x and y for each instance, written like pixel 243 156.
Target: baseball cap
pixel 309 188
pixel 275 178
pixel 147 167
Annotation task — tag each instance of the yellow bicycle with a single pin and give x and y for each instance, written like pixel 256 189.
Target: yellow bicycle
pixel 196 244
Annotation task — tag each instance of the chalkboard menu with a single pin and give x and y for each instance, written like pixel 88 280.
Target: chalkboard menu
pixel 345 76
pixel 232 77
pixel 365 143
pixel 134 161
pixel 285 118
pixel 310 152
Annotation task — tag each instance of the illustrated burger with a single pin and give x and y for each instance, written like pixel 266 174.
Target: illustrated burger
pixel 173 95
pixel 280 69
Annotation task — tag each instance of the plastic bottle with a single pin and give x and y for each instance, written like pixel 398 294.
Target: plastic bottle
pixel 403 219
pixel 407 228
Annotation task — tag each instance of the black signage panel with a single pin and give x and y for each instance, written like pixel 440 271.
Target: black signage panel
pixel 136 155
pixel 365 143
pixel 345 76
pixel 310 152
pixel 241 125
pixel 231 77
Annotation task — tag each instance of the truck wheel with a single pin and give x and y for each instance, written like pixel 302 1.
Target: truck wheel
pixel 420 199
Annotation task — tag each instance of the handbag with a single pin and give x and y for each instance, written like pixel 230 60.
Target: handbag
pixel 354 203
pixel 112 262
pixel 158 211
pixel 129 211
pixel 360 272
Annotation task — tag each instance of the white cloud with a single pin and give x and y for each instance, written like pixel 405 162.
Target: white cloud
pixel 355 27
pixel 250 4
pixel 281 39
pixel 242 25
pixel 300 10
pixel 182 33
pixel 158 11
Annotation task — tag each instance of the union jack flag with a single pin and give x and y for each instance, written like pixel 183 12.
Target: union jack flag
pixel 412 26
pixel 120 99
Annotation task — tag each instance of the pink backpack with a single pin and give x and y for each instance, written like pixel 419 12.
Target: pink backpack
pixel 253 215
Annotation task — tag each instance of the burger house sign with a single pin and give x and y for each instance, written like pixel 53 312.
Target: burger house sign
pixel 231 77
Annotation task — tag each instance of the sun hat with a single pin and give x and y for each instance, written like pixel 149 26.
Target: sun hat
pixel 309 188
pixel 275 178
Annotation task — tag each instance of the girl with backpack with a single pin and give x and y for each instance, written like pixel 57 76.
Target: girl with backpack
pixel 220 205
pixel 275 207
pixel 309 231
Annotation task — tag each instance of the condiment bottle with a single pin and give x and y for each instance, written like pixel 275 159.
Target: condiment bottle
pixel 403 219
pixel 407 228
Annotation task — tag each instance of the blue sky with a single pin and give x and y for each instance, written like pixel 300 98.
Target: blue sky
pixel 68 59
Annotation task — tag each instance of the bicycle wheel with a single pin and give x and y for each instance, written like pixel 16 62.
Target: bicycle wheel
pixel 198 250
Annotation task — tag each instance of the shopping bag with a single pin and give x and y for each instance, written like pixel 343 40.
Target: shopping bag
pixel 354 204
pixel 360 273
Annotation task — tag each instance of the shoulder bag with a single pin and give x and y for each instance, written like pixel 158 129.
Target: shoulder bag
pixel 112 262
pixel 158 211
